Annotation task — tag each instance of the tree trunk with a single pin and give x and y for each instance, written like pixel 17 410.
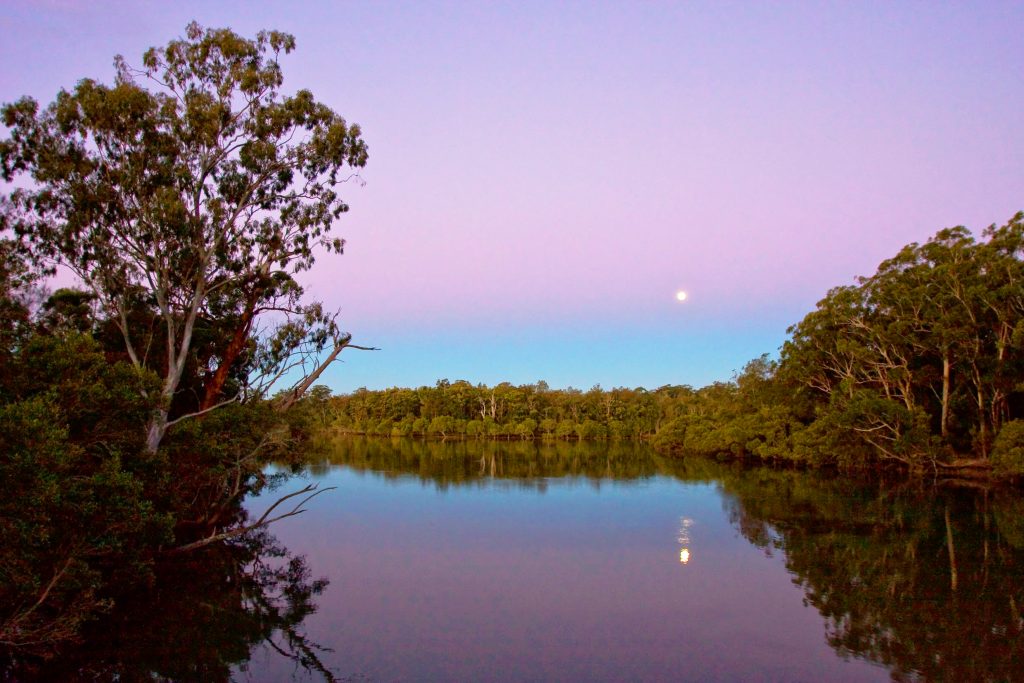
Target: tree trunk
pixel 945 394
pixel 155 430
pixel 982 424
pixel 231 353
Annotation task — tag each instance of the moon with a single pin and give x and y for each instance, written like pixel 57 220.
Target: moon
pixel 681 295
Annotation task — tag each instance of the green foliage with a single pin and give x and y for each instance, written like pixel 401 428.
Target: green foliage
pixel 565 429
pixel 419 426
pixel 1008 452
pixel 68 310
pixel 590 429
pixel 925 346
pixel 16 284
pixel 95 507
pixel 527 428
pixel 84 516
pixel 503 412
pixel 442 425
pixel 671 438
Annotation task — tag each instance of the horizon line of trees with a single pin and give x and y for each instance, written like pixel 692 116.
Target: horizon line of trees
pixel 504 411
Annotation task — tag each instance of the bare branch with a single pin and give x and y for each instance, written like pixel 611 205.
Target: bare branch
pixel 223 403
pixel 264 519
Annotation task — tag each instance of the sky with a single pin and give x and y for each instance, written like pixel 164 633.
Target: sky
pixel 545 176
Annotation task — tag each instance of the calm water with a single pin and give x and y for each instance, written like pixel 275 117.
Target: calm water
pixel 566 562
pixel 570 562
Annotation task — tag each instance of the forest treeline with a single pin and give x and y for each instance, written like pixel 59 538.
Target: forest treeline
pixel 920 365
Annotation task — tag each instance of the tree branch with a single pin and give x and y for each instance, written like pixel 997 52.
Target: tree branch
pixel 264 519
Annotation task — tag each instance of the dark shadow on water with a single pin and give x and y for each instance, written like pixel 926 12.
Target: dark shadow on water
pixel 200 618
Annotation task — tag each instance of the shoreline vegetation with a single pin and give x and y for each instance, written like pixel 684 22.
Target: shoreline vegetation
pixel 920 367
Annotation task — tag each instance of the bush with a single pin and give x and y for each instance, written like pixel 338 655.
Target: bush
pixel 403 427
pixel 671 437
pixel 526 428
pixel 80 517
pixel 442 425
pixel 419 426
pixel 565 429
pixel 591 430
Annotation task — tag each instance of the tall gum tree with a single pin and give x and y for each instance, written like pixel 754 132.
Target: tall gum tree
pixel 938 328
pixel 195 186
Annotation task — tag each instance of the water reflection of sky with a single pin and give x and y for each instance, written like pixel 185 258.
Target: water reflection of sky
pixel 566 582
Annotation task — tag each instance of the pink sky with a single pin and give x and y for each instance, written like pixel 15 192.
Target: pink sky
pixel 544 176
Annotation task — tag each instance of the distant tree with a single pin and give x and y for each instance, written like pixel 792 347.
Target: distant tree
pixel 565 429
pixel 527 428
pixel 319 400
pixel 474 428
pixel 443 425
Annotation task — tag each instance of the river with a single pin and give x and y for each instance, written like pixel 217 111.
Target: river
pixel 484 561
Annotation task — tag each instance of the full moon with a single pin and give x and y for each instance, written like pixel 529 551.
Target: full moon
pixel 680 295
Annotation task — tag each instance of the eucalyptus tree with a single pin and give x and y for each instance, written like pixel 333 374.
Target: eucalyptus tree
pixel 955 328
pixel 935 334
pixel 195 188
pixel 820 354
pixel 862 352
pixel 1002 299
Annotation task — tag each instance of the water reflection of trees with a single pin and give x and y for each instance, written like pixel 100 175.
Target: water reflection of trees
pixel 201 615
pixel 520 463
pixel 924 580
